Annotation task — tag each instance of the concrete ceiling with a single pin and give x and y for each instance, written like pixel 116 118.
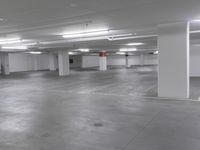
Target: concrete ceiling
pixel 47 20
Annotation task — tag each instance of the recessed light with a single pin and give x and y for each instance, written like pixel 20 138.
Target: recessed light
pixel 84 50
pixel 120 53
pixel 128 49
pixel 135 44
pixel 3 20
pixel 15 47
pixel 195 31
pixel 133 37
pixel 72 53
pixel 35 52
pixel 86 34
pixel 195 20
pixel 156 52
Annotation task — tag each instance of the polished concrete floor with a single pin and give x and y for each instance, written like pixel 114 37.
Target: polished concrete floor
pixel 91 110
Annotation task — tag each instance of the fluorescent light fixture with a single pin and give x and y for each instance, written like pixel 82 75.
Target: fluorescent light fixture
pixel 84 50
pixel 72 53
pixel 128 49
pixel 88 39
pixel 120 53
pixel 132 37
pixel 135 44
pixel 10 41
pixel 3 19
pixel 110 38
pixel 53 42
pixel 197 20
pixel 30 44
pixel 195 31
pixel 86 34
pixel 73 40
pixel 94 54
pixel 35 52
pixel 15 47
pixel 156 52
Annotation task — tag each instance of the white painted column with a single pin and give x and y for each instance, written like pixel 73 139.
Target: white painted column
pixel 142 60
pixel 52 62
pixel 5 64
pixel 0 65
pixel 102 61
pixel 128 65
pixel 173 74
pixel 63 63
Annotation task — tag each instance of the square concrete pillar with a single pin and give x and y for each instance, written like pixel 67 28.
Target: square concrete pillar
pixel 103 61
pixel 173 73
pixel 5 69
pixel 63 63
pixel 128 65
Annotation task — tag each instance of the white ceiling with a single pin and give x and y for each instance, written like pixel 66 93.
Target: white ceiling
pixel 47 20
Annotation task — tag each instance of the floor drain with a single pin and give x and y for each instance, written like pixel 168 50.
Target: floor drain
pixel 98 124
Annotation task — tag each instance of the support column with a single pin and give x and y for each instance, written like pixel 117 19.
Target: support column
pixel 128 65
pixel 5 64
pixel 142 60
pixel 173 74
pixel 63 63
pixel 52 62
pixel 103 61
pixel 0 65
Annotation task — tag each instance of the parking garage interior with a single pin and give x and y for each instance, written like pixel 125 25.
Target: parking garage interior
pixel 99 75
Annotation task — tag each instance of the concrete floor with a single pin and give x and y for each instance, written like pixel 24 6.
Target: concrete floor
pixel 92 110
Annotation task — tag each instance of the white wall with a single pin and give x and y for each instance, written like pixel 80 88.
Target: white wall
pixel 20 62
pixel 151 59
pixel 26 62
pixel 90 61
pixel 93 61
pixel 42 61
pixel 29 62
pixel 77 60
pixel 133 60
pixel 195 61
pixel 118 60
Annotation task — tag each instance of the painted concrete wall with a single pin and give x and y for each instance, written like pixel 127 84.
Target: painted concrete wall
pixel 118 60
pixel 133 60
pixel 195 61
pixel 77 60
pixel 27 62
pixel 90 61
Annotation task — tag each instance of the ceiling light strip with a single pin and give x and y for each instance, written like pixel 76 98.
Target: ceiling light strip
pixel 133 37
pixel 15 47
pixel 86 34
